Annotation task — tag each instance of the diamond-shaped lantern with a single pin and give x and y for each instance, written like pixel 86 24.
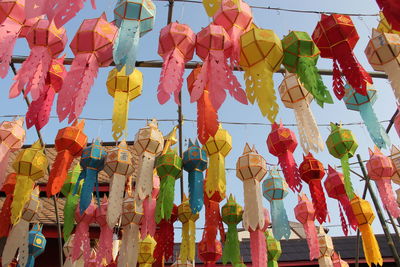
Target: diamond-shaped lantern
pixel 325 243
pixel 274 249
pixel 251 165
pixel 146 249
pixel 231 212
pixel 210 251
pixel 37 243
pixel 384 25
pixel 131 212
pixel 188 220
pixel 395 156
pixel 30 211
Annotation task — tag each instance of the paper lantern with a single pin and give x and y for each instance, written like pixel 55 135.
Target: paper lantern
pixel 337 261
pixel 210 252
pixel 104 251
pixel 92 162
pixel 312 171
pixel 363 104
pixel 195 163
pixel 390 9
pixel 176 47
pixel 92 46
pixel 37 244
pixel 275 189
pixel 29 165
pixel 305 214
pixel 261 56
pixel 165 238
pixel 214 46
pixel 69 144
pixel 325 248
pixel 149 143
pixel 300 56
pixel 231 215
pixel 207 115
pixel 336 37
pixel 395 156
pixel 336 189
pixel 295 96
pixel 46 42
pixel 212 6
pixel 134 18
pixel 67 248
pixel 149 225
pixel 38 113
pixel 5 213
pixel 236 18
pixel 118 166
pixel 146 249
pixel 123 88
pixel 380 169
pixel 384 25
pixel 12 137
pixel 281 143
pixel 274 249
pixel 365 216
pixel 342 144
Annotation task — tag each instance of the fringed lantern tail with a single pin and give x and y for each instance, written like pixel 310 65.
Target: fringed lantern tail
pixel 346 174
pixel 258 248
pixel 233 86
pixel 280 222
pixel 144 184
pixel 69 212
pixel 231 250
pixel 39 110
pixel 234 34
pixel 290 171
pixel 196 191
pixel 192 241
pixel 5 215
pixel 312 239
pixel 370 245
pixel 392 69
pixel 9 32
pixel 200 84
pixel 185 247
pixel 165 241
pixel 216 177
pixel 338 84
pixel 22 191
pixel 253 215
pixel 260 88
pixel 17 239
pixel 319 201
pixel 105 245
pixel 58 172
pixel 128 254
pixel 165 199
pixel 65 11
pixel 115 199
pixel 120 114
pixel 343 221
pixel 148 226
pixel 81 242
pixel 387 196
pixel 207 118
pixel 86 195
pixel 375 129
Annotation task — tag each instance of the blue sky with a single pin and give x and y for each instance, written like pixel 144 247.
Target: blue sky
pixel 100 104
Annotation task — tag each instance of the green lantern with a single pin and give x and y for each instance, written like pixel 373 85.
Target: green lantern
pixel 300 55
pixel 169 168
pixel 274 249
pixel 342 144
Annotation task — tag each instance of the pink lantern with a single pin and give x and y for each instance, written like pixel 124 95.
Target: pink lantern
pixel 176 47
pixel 104 250
pixel 214 46
pixel 148 226
pixel 258 243
pixel 92 47
pixel 46 43
pixel 380 169
pixel 397 123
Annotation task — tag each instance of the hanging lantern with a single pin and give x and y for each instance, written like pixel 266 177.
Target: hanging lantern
pixel 312 171
pixel 380 169
pixel 207 115
pixel 82 240
pixel 336 189
pixel 300 55
pixel 104 251
pixel 210 251
pixel 395 157
pixel 149 143
pixel 146 249
pixel 123 88
pixel 118 166
pixel 134 19
pixel 92 47
pixel 236 18
pixel 214 46
pixel 12 137
pixel 195 163
pixel 212 6
pixel 281 143
pixel 337 261
pixel 176 47
pixel 5 213
pixel 325 248
pixel 261 56
pixel 37 244
pixel 365 216
pixel 29 165
pixel 275 190
pixel 165 238
pixel 274 249
pixel 67 248
pixel 342 144
pixel 295 96
pixel 232 215
pixel 149 225
pixel 92 162
pixel 69 144
pixel 391 10
pixel 305 214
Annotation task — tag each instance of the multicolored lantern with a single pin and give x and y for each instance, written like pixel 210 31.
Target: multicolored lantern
pixel 312 171
pixel 37 244
pixel 336 189
pixel 188 219
pixel 274 249
pixel 282 143
pixel 295 96
pixel 336 37
pixel 342 144
pixel 165 238
pixel 104 251
pixel 12 137
pixel 207 115
pixel 363 104
pixel 149 225
pixel 195 163
pixel 29 165
pixel 5 213
pixel 325 248
pixel 69 144
pixel 92 162
pixel 123 88
pixel 395 156
pixel 232 215
pixel 92 47
pixel 149 143
pixel 390 9
pixel 214 46
pixel 81 243
pixel 176 47
pixel 134 19
pixel 380 169
pixel 275 190
pixel 146 249
pixel 365 216
pixel 300 55
pixel 305 214
pixel 261 56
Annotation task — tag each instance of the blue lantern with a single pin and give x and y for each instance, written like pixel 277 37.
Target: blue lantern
pixel 37 244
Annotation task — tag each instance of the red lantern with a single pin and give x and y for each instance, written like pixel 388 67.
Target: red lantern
pixel 311 172
pixel 5 214
pixel 210 252
pixel 164 237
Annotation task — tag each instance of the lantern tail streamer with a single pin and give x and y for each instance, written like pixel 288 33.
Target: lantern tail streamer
pixel 165 199
pixel 39 110
pixel 90 179
pixel 144 186
pixel 105 245
pixel 343 221
pixel 280 222
pixel 185 247
pixel 59 172
pixel 165 241
pixel 120 113
pixel 346 173
pixel 290 171
pixel 338 84
pixel 253 215
pixel 231 251
pixel 345 203
pixel 133 242
pixel 258 248
pixel 69 212
pixel 216 177
pixel 207 118
pixel 392 69
pixel 17 239
pixel 22 191
pixel 370 245
pixel 148 224
pixel 312 239
pixel 196 191
pixel 386 192
pixel 65 11
pixel 375 129
pixel 9 32
pixel 319 201
pixel 81 242
pixel 234 34
pixel 115 199
pixel 5 215
pixel 192 240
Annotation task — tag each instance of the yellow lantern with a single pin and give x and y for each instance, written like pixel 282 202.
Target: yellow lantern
pixel 384 25
pixel 188 220
pixel 212 6
pixel 146 249
pixel 325 248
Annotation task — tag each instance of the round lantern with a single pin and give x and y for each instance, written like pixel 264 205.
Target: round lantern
pixel 146 249
pixel 210 251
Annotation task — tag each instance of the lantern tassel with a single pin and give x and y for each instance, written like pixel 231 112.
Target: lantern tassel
pixel 235 33
pixel 346 173
pixel 231 251
pixel 9 32
pixel 343 221
pixel 66 10
pixel 165 241
pixel 144 184
pixel 312 239
pixel 370 245
pixel 165 199
pixel 216 177
pixel 192 240
pixel 290 171
pixel 319 201
pixel 392 69
pixel 69 212
pixel 386 192
pixel 375 129
pixel 120 113
pixel 280 222
pixel 115 199
pixel 253 215
pixel 81 242
pixel 184 249
pixel 22 191
pixel 207 118
pixel 148 226
pixel 345 202
pixel 17 239
pixel 338 84
pixel 105 245
pixel 196 183
pixel 31 261
pixel 258 248
pixel 89 176
pixel 38 113
pixel 5 215
pixel 59 172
